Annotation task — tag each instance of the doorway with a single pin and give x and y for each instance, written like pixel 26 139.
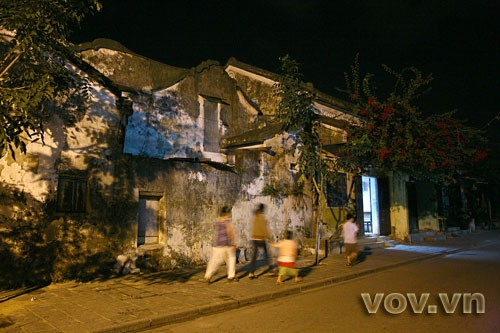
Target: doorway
pixel 148 220
pixel 371 221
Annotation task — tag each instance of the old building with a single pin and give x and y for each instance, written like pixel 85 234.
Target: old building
pixel 145 166
pixel 197 139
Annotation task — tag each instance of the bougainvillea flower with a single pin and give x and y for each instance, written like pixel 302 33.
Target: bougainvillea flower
pixel 371 101
pixel 383 152
pixel 480 155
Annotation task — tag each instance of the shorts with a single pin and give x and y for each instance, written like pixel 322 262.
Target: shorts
pixel 351 249
pixel 287 269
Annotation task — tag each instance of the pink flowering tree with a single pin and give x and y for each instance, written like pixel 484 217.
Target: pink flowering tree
pixel 394 136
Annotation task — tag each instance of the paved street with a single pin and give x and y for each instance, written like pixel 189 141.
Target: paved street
pixel 141 301
pixel 340 308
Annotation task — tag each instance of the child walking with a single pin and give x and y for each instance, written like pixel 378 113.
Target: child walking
pixel 286 258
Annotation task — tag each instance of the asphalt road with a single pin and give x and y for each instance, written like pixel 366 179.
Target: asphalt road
pixel 408 300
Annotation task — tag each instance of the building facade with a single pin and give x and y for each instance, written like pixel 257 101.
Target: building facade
pixel 146 164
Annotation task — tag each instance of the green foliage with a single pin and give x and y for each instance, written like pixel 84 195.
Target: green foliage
pixel 297 115
pixel 295 109
pixel 34 75
pixel 271 190
pixel 277 190
pixel 394 136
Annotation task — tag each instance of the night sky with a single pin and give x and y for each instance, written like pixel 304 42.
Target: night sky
pixel 456 41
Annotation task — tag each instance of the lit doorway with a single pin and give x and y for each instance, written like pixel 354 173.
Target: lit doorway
pixel 370 206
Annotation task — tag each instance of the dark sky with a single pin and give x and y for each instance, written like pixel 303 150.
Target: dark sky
pixel 457 41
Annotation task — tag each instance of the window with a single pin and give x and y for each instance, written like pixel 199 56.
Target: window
pixel 71 194
pixel 211 126
pixel 211 119
pixel 336 190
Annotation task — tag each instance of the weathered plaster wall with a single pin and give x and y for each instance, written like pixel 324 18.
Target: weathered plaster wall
pixel 427 206
pixel 161 127
pixel 130 70
pixel 331 135
pixel 68 146
pixel 87 142
pixel 282 215
pixel 211 81
pixel 170 123
pixel 399 204
pixel 195 192
pixel 260 93
pixel 285 211
pixel 193 195
pixel 34 173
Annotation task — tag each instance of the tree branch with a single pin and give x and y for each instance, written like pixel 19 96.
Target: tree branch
pixel 6 69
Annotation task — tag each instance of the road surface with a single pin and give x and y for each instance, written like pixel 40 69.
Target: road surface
pixel 409 298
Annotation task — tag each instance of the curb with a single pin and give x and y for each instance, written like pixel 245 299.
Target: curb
pixel 10 294
pixel 181 316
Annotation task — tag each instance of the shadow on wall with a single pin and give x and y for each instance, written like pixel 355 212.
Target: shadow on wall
pixel 42 245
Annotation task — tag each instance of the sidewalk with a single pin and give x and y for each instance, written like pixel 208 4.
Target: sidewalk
pixel 140 301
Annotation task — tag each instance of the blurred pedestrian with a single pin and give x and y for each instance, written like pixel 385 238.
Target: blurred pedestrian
pixel 287 256
pixel 260 235
pixel 350 235
pixel 224 249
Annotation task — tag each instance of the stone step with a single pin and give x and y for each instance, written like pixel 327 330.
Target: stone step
pixel 366 242
pixel 456 231
pixel 377 241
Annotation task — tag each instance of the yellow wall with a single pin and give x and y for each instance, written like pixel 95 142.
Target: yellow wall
pixel 399 204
